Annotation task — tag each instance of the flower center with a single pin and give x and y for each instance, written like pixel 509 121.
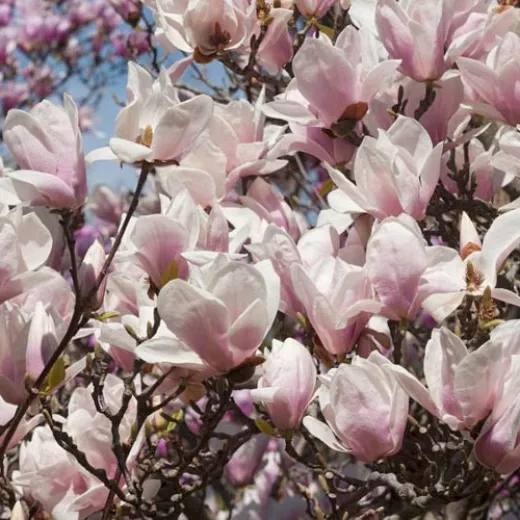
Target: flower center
pixel 146 137
pixel 220 38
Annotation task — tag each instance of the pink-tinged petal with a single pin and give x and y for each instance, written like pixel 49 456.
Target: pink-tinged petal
pixel 272 289
pixel 348 187
pixel 200 184
pixel 318 243
pixel 476 381
pixel 392 27
pixel 158 241
pixel 8 252
pixel 318 61
pixel 237 286
pixel 290 144
pixel 42 189
pixel 430 174
pixel 495 446
pixel 7 412
pixel 441 305
pixel 322 432
pixel 386 186
pixel 377 78
pixel 480 77
pixel 362 399
pixel 396 261
pixel 100 154
pixel 217 231
pixel 89 272
pixel 260 167
pixel 129 151
pixel 411 135
pixel 28 141
pixel 34 240
pixel 501 239
pixel 179 127
pixel 506 296
pixel 414 388
pixel 468 235
pixel 444 351
pixel 169 350
pixel 41 342
pixel 178 68
pixel 197 318
pixel 115 334
pixel 26 426
pixel 246 333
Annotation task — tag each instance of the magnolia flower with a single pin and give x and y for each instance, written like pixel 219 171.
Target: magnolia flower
pixel 338 301
pixel 46 143
pixel 462 385
pixel 476 270
pixel 235 145
pixel 205 29
pixel 365 409
pixel 282 251
pixel 225 319
pixel 429 36
pixel 395 173
pixel 352 77
pixel 494 81
pixel 402 270
pixel 287 383
pixel 155 125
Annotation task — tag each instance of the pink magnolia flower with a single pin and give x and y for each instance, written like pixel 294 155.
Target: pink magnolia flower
pixel 205 29
pixel 46 143
pixel 338 301
pixel 428 37
pixel 395 173
pixel 236 144
pixel 494 82
pixel 365 409
pixel 158 242
pixel 352 77
pixel 282 251
pixel 276 48
pixel 477 267
pixel 27 343
pixel 402 270
pixel 155 125
pixel 225 318
pixel 462 385
pixel 287 383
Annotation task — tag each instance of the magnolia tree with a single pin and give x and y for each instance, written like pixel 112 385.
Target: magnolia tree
pixel 307 305
pixel 47 45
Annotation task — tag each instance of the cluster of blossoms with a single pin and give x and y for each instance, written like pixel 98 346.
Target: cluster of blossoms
pixel 308 307
pixel 44 43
